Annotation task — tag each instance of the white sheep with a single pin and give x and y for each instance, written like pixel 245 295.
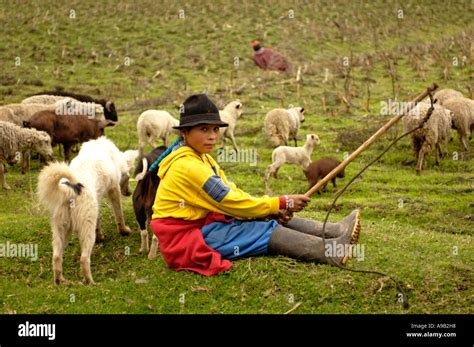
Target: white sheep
pixel 72 107
pixel 230 114
pixel 435 132
pixel 15 140
pixel 44 99
pixel 444 95
pixel 292 155
pixel 153 125
pixel 69 106
pixel 18 113
pixel 281 125
pixel 108 105
pixel 463 117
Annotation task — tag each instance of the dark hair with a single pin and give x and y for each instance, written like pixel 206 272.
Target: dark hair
pixel 194 126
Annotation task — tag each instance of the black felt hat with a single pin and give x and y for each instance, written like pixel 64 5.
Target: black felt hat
pixel 199 109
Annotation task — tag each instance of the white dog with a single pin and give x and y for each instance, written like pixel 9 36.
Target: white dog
pixel 73 193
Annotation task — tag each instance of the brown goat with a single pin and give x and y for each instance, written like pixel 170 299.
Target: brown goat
pixel 318 169
pixel 66 130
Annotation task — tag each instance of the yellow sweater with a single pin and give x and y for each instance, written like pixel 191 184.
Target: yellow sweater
pixel 190 188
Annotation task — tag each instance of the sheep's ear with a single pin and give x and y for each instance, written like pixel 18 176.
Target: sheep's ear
pixel 26 124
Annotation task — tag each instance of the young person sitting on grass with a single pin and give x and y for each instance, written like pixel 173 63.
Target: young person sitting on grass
pixel 202 220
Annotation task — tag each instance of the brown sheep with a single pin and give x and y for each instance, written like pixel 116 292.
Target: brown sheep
pixel 319 169
pixel 66 130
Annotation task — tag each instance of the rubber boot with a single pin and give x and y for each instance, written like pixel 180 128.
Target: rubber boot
pixel 333 230
pixel 305 247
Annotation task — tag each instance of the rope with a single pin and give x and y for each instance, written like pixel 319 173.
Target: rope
pixel 170 149
pixel 397 282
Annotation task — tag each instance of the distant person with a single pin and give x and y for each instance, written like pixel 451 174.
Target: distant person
pixel 268 59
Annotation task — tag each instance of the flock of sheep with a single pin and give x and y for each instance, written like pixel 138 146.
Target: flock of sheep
pixel 41 121
pixel 452 111
pixel 46 112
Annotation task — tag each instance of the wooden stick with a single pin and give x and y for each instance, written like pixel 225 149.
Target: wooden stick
pixel 371 140
pixel 472 63
pixel 298 85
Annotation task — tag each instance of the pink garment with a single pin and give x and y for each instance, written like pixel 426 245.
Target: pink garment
pixel 267 58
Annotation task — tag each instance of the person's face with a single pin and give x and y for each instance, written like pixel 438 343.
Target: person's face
pixel 202 138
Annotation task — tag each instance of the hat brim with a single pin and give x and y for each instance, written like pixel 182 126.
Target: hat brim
pixel 219 123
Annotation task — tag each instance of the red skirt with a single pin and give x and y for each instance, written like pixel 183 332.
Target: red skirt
pixel 183 247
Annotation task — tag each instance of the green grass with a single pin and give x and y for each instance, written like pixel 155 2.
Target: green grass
pixel 416 228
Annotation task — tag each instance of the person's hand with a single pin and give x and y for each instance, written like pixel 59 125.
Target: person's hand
pixel 297 203
pixel 284 216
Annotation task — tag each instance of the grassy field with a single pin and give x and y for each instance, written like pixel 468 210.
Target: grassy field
pixel 149 54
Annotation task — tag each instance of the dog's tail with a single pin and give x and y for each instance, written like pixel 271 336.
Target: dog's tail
pixel 58 185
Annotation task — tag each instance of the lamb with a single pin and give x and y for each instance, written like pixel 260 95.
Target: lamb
pixel 319 169
pixel 230 114
pixel 109 107
pixel 144 197
pixel 14 140
pixel 433 134
pixel 69 106
pixel 73 194
pixel 281 125
pixel 154 124
pixel 463 118
pixel 67 130
pixel 292 155
pixel 444 95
